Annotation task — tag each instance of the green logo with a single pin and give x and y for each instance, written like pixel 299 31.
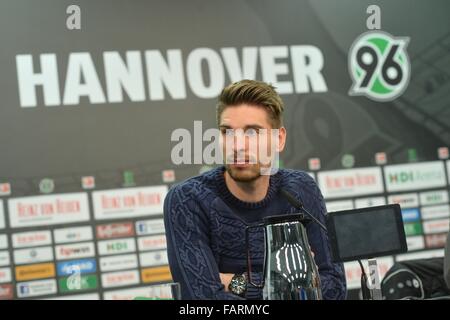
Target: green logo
pixel 379 66
pixel 82 283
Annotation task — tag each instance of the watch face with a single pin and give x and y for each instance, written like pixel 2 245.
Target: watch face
pixel 238 284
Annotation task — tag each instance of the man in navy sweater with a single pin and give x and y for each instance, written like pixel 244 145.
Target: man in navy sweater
pixel 205 216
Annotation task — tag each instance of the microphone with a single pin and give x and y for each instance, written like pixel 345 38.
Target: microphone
pixel 297 204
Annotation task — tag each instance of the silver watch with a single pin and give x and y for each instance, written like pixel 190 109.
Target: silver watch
pixel 238 284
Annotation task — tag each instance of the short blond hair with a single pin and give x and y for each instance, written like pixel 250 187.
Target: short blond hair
pixel 252 92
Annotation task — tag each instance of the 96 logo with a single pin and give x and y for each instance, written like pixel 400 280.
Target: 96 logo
pixel 379 66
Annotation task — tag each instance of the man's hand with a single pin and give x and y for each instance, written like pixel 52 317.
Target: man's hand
pixel 225 278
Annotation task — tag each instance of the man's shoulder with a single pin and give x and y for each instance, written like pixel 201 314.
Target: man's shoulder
pixel 194 186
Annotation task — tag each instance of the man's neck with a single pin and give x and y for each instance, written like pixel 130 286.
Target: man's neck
pixel 253 191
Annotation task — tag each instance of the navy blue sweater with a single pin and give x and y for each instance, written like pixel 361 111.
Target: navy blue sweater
pixel 205 228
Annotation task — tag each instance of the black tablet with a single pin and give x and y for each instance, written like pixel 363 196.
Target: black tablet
pixel 366 233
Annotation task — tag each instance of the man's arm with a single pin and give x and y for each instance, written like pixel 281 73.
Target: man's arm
pixel 191 260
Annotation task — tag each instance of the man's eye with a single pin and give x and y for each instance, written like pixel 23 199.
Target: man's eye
pixel 228 132
pixel 251 132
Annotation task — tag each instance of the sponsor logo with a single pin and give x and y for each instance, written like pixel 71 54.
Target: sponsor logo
pixel 84 266
pixel 404 177
pixel 152 243
pixel 107 247
pixel 129 203
pixel 36 288
pixel 4 258
pixel 408 200
pixel 76 234
pixel 161 291
pixel 5 275
pixel 88 182
pixel 314 164
pixel 433 197
pixel 369 202
pixel 2 216
pixel 147 227
pixel 33 255
pixel 31 239
pixel 333 206
pixel 128 261
pixel 410 215
pixel 76 250
pixel 3 241
pixel 436 226
pixel 350 182
pixel 436 212
pixel 48 210
pixel 157 274
pixel 86 282
pixel 413 229
pixel 6 292
pixel 379 66
pixel 5 189
pixel 35 271
pixel 122 278
pixel 436 240
pixel 115 230
pixel 415 243
pixel 168 176
pixel 154 258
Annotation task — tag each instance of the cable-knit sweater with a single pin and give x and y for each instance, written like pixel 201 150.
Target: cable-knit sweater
pixel 205 228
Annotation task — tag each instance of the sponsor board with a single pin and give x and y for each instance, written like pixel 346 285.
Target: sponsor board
pixel 153 258
pixel 155 291
pixel 333 206
pixel 115 230
pixel 350 182
pixel 75 251
pixel 82 266
pixel 149 227
pixel 2 215
pixel 428 254
pixel 353 270
pixel 35 271
pixel 121 262
pixel 157 274
pixel 369 202
pixel 84 296
pixel 415 243
pixel 121 278
pixel 433 197
pixel 436 240
pixel 6 292
pixel 128 202
pixel 48 210
pixel 404 177
pixel 82 282
pixel 117 246
pixel 4 258
pixel 36 288
pixel 406 200
pixel 413 229
pixel 31 239
pixel 3 241
pixel 5 275
pixel 152 243
pixel 436 226
pixel 434 212
pixel 75 234
pixel 33 255
pixel 410 215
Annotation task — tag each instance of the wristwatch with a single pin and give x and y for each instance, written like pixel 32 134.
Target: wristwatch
pixel 238 284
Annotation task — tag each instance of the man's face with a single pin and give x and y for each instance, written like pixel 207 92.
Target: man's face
pixel 248 142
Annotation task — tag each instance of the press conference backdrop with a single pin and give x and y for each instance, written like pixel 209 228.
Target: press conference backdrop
pixel 87 115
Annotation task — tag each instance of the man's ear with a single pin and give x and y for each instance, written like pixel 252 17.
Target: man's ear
pixel 281 139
